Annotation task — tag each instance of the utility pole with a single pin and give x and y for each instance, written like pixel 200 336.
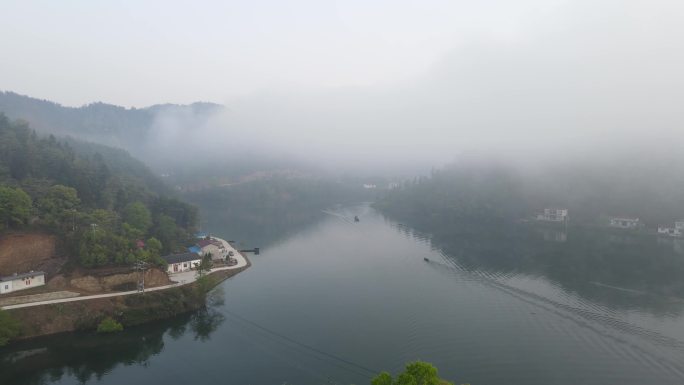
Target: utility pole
pixel 141 267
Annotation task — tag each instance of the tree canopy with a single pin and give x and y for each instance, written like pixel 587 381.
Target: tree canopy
pixel 415 373
pixel 138 216
pixel 103 207
pixel 15 207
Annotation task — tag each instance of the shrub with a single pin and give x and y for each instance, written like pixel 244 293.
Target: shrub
pixel 9 327
pixel 109 325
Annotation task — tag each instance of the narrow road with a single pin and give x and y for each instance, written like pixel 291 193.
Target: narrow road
pixel 180 279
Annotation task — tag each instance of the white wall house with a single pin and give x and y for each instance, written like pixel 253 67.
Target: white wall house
pixel 553 215
pixel 625 223
pixel 181 262
pixel 670 231
pixel 16 282
pixel 213 246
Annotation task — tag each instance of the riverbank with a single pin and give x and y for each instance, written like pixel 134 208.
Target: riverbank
pixel 128 308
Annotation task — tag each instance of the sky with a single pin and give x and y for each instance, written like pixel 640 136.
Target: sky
pixel 138 53
pixel 369 80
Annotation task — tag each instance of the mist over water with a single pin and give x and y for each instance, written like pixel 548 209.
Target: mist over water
pixel 460 120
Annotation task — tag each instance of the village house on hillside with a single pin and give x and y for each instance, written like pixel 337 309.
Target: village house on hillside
pixel 625 222
pixel 182 262
pixel 553 215
pixel 676 231
pixel 213 247
pixel 23 281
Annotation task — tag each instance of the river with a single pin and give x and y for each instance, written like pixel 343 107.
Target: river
pixel 336 301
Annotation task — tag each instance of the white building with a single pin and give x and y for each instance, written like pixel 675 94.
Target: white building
pixel 625 223
pixel 553 215
pixel 182 262
pixel 670 231
pixel 21 281
pixel 213 246
pixel 679 225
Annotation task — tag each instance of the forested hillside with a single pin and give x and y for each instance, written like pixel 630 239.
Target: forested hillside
pixel 96 122
pixel 469 194
pixel 102 203
pixel 175 140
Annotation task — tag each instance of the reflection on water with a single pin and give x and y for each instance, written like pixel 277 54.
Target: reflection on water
pixel 553 235
pixel 623 271
pixel 335 301
pixel 86 357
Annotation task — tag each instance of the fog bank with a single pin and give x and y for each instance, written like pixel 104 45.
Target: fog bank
pixel 588 79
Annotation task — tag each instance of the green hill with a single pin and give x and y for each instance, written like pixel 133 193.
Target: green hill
pixel 99 200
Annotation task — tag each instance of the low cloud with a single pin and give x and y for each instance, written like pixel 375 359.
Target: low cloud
pixel 590 79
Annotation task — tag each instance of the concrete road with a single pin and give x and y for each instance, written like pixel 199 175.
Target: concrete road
pixel 180 279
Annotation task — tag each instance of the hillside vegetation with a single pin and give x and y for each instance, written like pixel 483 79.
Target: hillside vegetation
pixel 96 122
pixel 468 195
pixel 178 141
pixel 99 201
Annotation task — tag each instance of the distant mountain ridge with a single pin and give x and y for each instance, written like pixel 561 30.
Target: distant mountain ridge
pixel 97 122
pixel 186 144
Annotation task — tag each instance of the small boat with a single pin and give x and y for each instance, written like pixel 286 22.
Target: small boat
pixel 356 218
pixel 426 259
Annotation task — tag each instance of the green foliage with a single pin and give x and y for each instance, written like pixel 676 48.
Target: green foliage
pixel 104 219
pixel 93 251
pixel 154 249
pixel 424 373
pixel 205 265
pixel 109 325
pixel 15 207
pixel 138 216
pixel 204 284
pixel 167 232
pixel 415 373
pixel 58 206
pixel 154 246
pixel 383 378
pixel 99 200
pixel 9 327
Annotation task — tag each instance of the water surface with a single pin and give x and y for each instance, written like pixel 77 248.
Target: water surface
pixel 335 301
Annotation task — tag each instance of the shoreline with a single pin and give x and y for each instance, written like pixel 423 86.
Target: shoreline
pixel 185 279
pixel 84 313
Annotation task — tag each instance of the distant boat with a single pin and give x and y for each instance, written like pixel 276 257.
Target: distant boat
pixel 426 260
pixel 356 218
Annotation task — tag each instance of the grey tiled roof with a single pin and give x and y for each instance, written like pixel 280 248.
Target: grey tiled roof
pixel 184 257
pixel 20 276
